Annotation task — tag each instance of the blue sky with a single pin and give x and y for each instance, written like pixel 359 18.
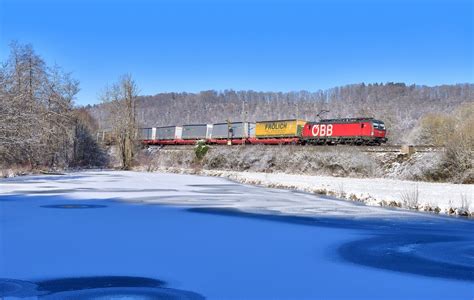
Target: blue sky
pixel 263 45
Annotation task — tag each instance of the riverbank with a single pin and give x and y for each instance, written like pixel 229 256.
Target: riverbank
pixel 438 198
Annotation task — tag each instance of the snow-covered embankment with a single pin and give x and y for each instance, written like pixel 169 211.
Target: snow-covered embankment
pixel 443 198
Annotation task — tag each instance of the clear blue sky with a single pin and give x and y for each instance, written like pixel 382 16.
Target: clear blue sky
pixel 261 45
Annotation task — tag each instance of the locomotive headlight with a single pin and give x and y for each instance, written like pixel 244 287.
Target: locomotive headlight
pixel 372 133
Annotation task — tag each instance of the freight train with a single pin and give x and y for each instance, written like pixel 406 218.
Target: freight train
pixel 354 131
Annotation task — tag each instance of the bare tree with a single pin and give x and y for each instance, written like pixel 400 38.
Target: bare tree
pixel 35 109
pixel 58 116
pixel 86 150
pixel 120 101
pixel 20 110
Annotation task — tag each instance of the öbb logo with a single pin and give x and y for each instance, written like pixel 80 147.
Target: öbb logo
pixel 322 130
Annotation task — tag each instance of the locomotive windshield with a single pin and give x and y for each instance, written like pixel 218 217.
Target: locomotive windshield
pixel 379 125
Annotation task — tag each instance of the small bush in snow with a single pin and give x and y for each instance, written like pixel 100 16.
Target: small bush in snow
pixel 410 198
pixel 463 210
pixel 341 193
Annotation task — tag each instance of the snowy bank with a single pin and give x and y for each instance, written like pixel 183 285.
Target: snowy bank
pixel 174 189
pixel 438 197
pixel 188 190
pixel 443 198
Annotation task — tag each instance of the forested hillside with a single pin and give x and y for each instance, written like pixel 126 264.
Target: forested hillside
pixel 400 106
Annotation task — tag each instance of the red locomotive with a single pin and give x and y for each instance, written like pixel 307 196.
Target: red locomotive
pixel 358 131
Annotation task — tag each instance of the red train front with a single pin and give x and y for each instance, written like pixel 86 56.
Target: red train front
pixel 358 131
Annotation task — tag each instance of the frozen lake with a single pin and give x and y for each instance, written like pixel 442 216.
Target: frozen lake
pixel 128 235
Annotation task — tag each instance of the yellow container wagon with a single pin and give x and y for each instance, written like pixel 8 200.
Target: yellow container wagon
pixel 279 128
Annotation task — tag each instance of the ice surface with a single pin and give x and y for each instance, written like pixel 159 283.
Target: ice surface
pixel 279 244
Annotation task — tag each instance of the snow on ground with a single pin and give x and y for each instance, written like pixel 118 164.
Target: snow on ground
pixel 449 198
pixel 192 190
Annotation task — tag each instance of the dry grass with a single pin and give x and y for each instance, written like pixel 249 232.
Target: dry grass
pixel 410 198
pixel 465 203
pixel 340 190
pixel 16 170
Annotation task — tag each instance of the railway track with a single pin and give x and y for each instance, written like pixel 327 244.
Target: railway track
pixel 404 149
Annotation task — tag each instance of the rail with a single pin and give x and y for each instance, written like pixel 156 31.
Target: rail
pixel 402 149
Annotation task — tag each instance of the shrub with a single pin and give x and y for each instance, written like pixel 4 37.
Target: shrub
pixel 410 197
pixel 455 132
pixel 435 129
pixel 465 203
pixel 200 150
